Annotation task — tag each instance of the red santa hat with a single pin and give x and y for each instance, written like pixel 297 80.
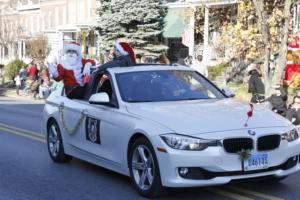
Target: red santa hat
pixel 125 49
pixel 73 46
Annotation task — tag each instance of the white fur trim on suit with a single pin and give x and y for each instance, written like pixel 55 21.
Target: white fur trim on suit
pixel 120 49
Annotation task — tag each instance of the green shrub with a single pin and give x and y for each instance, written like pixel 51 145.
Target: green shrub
pixel 241 91
pixel 214 71
pixel 6 85
pixel 13 67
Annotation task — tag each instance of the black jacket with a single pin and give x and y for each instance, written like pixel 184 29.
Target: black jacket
pixel 121 61
pixel 279 102
pixel 256 87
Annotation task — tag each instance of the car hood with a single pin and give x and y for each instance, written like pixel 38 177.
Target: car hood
pixel 203 116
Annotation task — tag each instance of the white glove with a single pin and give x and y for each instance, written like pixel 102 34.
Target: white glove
pixel 53 70
pixel 87 69
pixel 52 58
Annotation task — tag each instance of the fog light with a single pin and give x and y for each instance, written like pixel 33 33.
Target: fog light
pixel 295 158
pixel 183 171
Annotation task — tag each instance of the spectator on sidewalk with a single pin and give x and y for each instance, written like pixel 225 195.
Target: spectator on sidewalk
pixel 17 80
pixel 35 87
pixel 293 112
pixel 278 100
pixel 44 73
pixel 188 61
pixel 28 84
pixel 163 59
pixel 44 89
pixel 256 86
pixel 23 75
pixel 199 66
pixel 32 71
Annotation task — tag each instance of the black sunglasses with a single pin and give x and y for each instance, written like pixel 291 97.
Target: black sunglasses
pixel 71 51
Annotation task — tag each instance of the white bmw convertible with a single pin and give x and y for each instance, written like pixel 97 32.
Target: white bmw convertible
pixel 168 126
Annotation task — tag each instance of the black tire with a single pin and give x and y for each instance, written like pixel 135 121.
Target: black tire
pixel 155 189
pixel 57 154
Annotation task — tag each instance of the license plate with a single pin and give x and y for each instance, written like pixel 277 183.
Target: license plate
pixel 256 162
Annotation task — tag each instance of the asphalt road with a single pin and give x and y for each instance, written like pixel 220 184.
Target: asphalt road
pixel 27 172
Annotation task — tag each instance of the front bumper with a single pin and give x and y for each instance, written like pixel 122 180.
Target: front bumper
pixel 217 167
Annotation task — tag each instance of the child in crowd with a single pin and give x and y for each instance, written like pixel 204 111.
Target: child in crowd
pixel 18 82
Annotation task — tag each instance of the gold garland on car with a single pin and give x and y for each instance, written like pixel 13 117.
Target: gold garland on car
pixel 70 131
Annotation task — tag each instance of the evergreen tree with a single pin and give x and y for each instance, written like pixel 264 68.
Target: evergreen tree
pixel 108 26
pixel 138 22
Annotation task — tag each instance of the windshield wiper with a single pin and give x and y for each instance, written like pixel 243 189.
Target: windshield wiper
pixel 194 99
pixel 140 101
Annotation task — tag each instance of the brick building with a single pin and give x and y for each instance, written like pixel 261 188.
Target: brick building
pixel 60 20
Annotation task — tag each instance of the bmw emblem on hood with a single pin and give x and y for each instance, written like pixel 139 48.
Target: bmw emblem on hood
pixel 250 132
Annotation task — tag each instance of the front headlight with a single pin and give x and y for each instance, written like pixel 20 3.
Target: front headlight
pixel 183 142
pixel 290 135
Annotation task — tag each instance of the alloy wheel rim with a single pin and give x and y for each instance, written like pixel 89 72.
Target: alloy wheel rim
pixel 143 168
pixel 53 141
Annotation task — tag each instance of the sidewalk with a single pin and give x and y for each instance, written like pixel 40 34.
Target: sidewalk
pixel 22 97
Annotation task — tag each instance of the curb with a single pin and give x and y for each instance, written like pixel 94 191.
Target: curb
pixel 11 93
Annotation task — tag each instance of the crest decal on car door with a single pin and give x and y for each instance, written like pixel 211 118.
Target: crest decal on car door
pixel 92 130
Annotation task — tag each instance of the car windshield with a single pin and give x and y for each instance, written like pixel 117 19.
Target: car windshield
pixel 165 85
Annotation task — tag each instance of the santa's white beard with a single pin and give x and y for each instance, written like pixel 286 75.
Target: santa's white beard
pixel 72 62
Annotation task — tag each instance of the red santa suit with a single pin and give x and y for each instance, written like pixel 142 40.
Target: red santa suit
pixel 71 70
pixel 72 76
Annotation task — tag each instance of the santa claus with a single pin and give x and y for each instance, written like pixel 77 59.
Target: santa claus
pixel 72 70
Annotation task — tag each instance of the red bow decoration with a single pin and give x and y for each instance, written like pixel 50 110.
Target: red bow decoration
pixel 249 114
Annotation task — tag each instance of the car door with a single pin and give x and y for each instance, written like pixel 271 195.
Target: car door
pixel 72 113
pixel 101 133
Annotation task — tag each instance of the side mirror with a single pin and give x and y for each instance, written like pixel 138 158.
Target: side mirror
pixel 228 92
pixel 99 98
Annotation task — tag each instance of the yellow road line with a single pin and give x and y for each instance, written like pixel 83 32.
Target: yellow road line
pixel 227 194
pixel 254 193
pixel 20 130
pixel 24 134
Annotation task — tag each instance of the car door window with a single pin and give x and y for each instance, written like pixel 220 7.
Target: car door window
pixel 104 85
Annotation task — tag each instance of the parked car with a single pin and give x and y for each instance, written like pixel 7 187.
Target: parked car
pixel 168 126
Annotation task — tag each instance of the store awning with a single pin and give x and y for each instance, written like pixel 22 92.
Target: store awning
pixel 174 23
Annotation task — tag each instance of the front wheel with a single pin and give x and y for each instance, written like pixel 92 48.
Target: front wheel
pixel 144 169
pixel 55 144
